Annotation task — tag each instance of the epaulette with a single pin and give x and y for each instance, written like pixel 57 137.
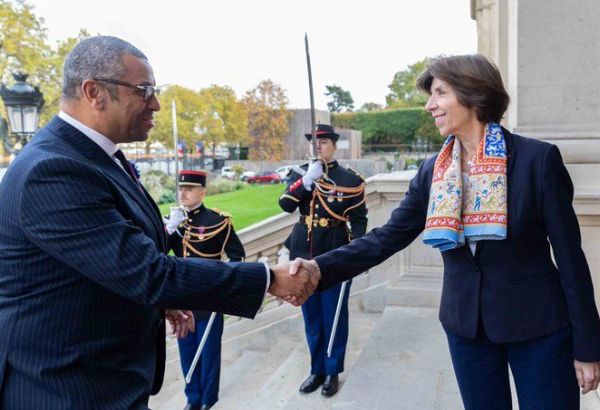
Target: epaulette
pixel 222 213
pixel 357 173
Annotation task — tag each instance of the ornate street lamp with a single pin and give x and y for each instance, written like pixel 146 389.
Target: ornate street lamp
pixel 23 104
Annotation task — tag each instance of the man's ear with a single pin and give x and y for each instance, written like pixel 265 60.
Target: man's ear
pixel 94 94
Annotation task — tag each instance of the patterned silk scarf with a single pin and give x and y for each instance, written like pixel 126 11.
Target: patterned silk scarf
pixel 473 206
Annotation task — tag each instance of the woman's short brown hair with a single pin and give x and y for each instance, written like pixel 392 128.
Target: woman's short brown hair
pixel 475 80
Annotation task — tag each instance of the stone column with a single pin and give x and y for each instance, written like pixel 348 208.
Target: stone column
pixel 548 52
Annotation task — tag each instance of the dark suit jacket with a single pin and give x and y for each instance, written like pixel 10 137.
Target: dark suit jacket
pixel 512 285
pixel 84 280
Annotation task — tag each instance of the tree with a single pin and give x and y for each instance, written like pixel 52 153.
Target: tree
pixel 23 40
pixel 370 106
pixel 267 120
pixel 188 105
pixel 222 117
pixel 23 47
pixel 52 82
pixel 341 99
pixel 403 89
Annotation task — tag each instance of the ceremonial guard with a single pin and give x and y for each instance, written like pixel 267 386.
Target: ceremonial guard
pixel 195 231
pixel 331 200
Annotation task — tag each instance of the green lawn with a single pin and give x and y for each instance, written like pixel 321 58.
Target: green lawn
pixel 247 206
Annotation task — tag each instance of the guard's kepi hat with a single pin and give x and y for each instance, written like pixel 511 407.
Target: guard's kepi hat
pixel 192 178
pixel 324 131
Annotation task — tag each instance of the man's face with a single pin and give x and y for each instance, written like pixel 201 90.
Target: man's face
pixel 191 196
pixel 130 118
pixel 326 149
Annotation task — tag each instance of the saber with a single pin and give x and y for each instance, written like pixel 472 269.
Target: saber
pixel 313 130
pixel 336 318
pixel 188 377
pixel 174 116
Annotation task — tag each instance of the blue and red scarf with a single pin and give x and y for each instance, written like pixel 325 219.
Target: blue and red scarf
pixel 472 206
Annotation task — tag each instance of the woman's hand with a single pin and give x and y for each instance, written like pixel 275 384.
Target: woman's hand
pixel 588 375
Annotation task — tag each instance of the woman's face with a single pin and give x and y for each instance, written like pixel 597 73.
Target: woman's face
pixel 450 116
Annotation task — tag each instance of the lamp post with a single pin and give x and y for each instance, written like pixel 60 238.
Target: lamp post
pixel 23 104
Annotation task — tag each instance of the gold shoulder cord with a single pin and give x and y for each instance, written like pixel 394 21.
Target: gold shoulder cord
pixel 325 192
pixel 191 237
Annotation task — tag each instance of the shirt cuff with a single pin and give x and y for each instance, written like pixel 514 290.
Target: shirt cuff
pixel 268 272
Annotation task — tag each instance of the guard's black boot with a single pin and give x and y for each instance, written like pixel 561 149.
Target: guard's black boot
pixel 312 383
pixel 330 386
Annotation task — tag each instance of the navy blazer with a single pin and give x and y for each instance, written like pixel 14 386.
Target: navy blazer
pixel 512 285
pixel 84 280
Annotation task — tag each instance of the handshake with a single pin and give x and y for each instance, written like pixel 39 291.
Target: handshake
pixel 295 282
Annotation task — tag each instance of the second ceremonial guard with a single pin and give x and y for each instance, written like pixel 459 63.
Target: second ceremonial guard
pixel 331 201
pixel 195 231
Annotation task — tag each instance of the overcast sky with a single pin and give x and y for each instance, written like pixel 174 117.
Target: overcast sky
pixel 358 45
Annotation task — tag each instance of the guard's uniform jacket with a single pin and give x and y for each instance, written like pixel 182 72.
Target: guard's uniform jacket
pixel 206 233
pixel 325 211
pixel 331 215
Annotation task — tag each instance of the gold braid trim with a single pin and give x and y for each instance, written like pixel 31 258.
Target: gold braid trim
pixel 345 190
pixel 290 197
pixel 225 224
pixel 352 192
pixel 204 236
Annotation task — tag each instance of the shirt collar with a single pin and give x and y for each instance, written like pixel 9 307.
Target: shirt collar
pixel 107 145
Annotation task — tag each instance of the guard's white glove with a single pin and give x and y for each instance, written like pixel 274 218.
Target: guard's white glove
pixel 176 217
pixel 314 172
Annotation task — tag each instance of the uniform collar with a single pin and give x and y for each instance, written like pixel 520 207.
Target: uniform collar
pixel 197 209
pixel 332 164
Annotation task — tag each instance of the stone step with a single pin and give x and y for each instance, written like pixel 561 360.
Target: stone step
pixel 283 383
pixel 241 379
pixel 267 371
pixel 405 365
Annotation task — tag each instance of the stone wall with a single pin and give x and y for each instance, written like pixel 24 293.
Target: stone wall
pixel 548 55
pixel 365 167
pixel 296 145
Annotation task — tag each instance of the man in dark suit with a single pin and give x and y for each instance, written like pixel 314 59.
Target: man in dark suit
pixel 195 231
pixel 84 278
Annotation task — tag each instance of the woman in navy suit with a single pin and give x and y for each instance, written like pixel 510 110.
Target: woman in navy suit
pixel 493 203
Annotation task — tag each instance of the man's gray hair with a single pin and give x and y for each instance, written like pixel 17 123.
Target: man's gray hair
pixel 95 57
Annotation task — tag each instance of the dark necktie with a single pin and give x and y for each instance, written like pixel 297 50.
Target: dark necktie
pixel 128 168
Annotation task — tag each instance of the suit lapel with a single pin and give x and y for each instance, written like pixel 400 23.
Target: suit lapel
pixel 82 144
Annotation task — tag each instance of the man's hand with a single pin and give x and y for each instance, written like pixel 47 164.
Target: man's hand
pixel 588 375
pixel 303 265
pixel 176 216
pixel 314 172
pixel 181 321
pixel 294 288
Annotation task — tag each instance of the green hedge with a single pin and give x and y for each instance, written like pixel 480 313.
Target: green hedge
pixel 400 126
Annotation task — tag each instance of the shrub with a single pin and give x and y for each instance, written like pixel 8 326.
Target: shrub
pixel 221 185
pixel 399 126
pixel 159 185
